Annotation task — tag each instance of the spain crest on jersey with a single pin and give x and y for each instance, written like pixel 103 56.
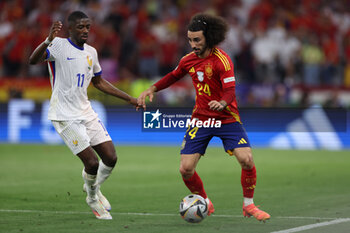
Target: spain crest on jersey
pixel 208 70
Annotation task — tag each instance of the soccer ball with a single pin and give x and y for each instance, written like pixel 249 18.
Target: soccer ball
pixel 193 208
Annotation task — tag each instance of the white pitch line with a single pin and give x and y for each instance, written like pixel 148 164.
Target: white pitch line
pixel 43 211
pixel 316 225
pixel 158 214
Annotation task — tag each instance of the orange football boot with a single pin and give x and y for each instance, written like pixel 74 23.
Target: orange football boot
pixel 252 210
pixel 210 206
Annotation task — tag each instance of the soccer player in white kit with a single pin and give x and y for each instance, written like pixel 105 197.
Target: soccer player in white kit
pixel 73 64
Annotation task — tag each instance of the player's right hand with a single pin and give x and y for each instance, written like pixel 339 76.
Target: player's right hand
pixel 55 28
pixel 133 101
pixel 141 100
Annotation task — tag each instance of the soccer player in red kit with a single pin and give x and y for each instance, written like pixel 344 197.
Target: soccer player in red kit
pixel 212 74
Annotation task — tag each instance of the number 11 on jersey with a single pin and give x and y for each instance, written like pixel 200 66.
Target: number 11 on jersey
pixel 82 76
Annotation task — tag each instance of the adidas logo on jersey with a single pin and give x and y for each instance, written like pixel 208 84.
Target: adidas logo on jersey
pixel 192 70
pixel 242 141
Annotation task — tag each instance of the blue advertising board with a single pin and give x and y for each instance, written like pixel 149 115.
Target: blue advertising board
pixel 24 121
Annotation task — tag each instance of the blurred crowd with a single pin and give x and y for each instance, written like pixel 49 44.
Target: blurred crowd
pixel 275 44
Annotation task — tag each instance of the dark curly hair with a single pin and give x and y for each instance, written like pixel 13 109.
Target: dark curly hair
pixel 214 28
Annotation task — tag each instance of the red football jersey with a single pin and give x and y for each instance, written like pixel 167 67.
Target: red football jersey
pixel 210 76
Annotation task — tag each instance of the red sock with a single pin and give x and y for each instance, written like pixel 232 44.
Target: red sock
pixel 248 181
pixel 195 185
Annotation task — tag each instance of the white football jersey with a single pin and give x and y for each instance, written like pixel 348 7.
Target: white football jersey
pixel 71 69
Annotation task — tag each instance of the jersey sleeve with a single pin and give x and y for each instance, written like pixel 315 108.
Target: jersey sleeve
pixel 96 64
pixel 53 50
pixel 180 70
pixel 225 66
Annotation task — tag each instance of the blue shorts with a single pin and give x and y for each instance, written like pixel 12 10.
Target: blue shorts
pixel 232 135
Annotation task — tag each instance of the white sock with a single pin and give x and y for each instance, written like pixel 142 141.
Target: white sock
pixel 247 201
pixel 103 173
pixel 90 183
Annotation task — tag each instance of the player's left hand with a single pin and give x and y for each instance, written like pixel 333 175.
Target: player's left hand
pixel 216 105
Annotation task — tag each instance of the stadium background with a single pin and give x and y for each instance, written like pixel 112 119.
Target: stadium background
pixel 292 65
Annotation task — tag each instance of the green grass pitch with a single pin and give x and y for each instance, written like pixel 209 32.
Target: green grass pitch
pixel 41 191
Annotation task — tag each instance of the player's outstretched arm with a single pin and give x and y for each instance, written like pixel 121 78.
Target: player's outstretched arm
pixel 141 100
pixel 106 87
pixel 39 53
pixel 163 83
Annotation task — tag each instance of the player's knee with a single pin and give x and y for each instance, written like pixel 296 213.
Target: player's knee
pixel 247 161
pixel 113 160
pixel 186 173
pixel 109 158
pixel 92 165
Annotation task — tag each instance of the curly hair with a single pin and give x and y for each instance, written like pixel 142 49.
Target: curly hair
pixel 214 28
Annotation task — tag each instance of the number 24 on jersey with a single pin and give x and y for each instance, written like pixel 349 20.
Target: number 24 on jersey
pixel 203 89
